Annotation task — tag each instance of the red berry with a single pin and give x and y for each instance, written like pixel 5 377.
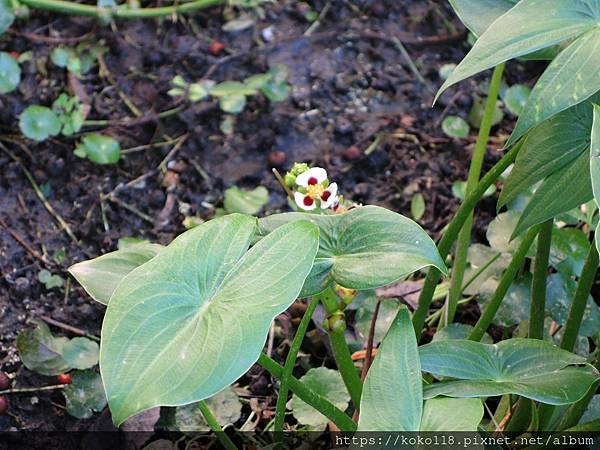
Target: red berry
pixel 4 381
pixel 3 404
pixel 64 378
pixel 216 48
pixel 307 201
pixel 312 181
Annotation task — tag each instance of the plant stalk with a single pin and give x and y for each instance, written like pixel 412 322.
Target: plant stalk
pixel 584 287
pixel 538 282
pixel 214 425
pixel 320 403
pixel 288 367
pixel 119 12
pixel 464 237
pixel 454 227
pixel 507 278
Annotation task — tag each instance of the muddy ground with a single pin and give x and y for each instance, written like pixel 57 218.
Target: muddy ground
pixel 351 85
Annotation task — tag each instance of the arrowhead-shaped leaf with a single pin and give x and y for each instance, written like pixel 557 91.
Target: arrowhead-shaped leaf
pixel 456 414
pixel 365 248
pixel 101 276
pixel 192 320
pixel 392 398
pixel 529 26
pixel 571 78
pixel 478 15
pixel 528 367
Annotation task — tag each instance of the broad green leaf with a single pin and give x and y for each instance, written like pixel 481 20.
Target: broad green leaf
pixel 456 127
pixel 500 230
pixel 593 410
pixel 327 383
pixel 456 414
pixel 225 406
pixel 81 353
pixel 560 192
pixel 85 394
pixel 458 331
pixel 548 148
pixel 39 122
pixel 528 367
pixel 529 26
pixel 571 78
pixel 40 351
pixel 101 276
pixel 595 163
pixel 364 248
pixel 515 98
pixel 10 73
pixel 392 397
pixel 364 315
pixel 569 250
pixel 99 149
pixel 245 202
pixel 515 305
pixel 193 319
pixel 478 15
pixel 7 16
pixel 479 256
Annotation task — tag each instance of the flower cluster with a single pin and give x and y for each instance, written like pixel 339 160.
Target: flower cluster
pixel 312 188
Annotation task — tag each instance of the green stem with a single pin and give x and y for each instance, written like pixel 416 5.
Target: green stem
pixel 290 362
pixel 464 237
pixel 119 12
pixel 454 227
pixel 538 282
pixel 212 422
pixel 586 280
pixel 507 278
pixel 336 330
pixel 320 403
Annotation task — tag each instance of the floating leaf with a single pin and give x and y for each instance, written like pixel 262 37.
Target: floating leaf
pixel 516 98
pixel 417 206
pixel 99 149
pixel 392 394
pixel 40 351
pixel 528 367
pixel 327 383
pixel 85 394
pixel 455 127
pixel 10 72
pixel 225 406
pixel 39 122
pixel 101 276
pixel 245 202
pixel 365 248
pixel 81 353
pixel 192 320
pixel 456 414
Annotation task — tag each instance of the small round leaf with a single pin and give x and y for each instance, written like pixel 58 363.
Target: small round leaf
pixel 100 149
pixel 455 127
pixel 39 122
pixel 81 353
pixel 10 73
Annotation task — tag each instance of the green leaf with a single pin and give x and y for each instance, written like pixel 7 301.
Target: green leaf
pixel 364 248
pixel 595 163
pixel 559 193
pixel 569 249
pixel 456 414
pixel 478 15
pixel 10 73
pixel 593 410
pixel 7 16
pixel 225 406
pixel 549 147
pixel 100 149
pixel 571 78
pixel 101 276
pixel 528 367
pixel 417 206
pixel 245 202
pixel 39 122
pixel 61 56
pixel 478 109
pixel 192 320
pixel 233 103
pixel 81 353
pixel 327 383
pixel 529 26
pixel 455 127
pixel 276 92
pixel 40 351
pixel 392 397
pixel 50 281
pixel 500 230
pixel 85 394
pixel 459 190
pixel 231 88
pixel 458 331
pixel 516 97
pixel 364 315
pixel 515 305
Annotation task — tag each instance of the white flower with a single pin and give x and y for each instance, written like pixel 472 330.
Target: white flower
pixel 304 201
pixel 312 192
pixel 313 176
pixel 329 196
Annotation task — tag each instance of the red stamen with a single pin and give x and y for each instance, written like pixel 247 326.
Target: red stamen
pixel 307 201
pixel 325 196
pixel 312 181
